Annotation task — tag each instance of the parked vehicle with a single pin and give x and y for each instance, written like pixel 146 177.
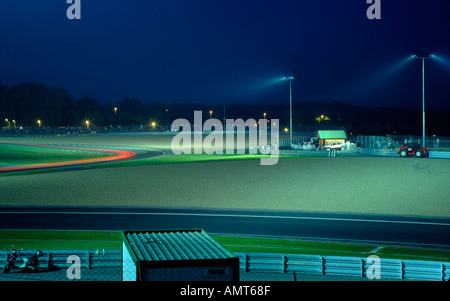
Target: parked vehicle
pixel 334 145
pixel 413 149
pixel 30 263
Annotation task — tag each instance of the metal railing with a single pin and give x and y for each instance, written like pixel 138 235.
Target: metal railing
pixel 393 153
pixel 102 260
pixel 441 155
pixel 345 266
pixel 89 259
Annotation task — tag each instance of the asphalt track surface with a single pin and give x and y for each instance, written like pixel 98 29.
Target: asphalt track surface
pixel 363 229
pixel 370 229
pixel 120 154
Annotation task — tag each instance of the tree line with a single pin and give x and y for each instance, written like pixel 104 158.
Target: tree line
pixel 28 102
pixel 55 107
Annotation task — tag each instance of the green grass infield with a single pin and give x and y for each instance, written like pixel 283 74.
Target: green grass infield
pixel 27 155
pixel 187 158
pixel 76 240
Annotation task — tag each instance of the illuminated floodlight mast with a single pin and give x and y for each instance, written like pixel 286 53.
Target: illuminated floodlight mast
pixel 290 78
pixel 423 92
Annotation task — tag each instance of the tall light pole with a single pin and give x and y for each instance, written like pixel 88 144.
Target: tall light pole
pixel 224 123
pixel 423 92
pixel 290 78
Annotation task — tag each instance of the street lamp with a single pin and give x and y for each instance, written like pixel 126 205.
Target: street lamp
pixel 87 125
pixel 14 123
pixel 423 92
pixel 210 114
pixel 39 123
pixel 290 78
pixel 115 110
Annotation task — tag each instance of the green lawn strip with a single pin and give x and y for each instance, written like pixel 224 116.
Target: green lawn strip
pixel 414 254
pixel 178 159
pixel 74 240
pixel 262 245
pixel 59 240
pixel 189 158
pixel 54 244
pixel 26 155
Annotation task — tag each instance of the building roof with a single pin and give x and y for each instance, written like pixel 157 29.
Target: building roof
pixel 331 134
pixel 175 245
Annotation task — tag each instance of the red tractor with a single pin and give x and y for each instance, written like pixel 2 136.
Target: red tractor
pixel 413 149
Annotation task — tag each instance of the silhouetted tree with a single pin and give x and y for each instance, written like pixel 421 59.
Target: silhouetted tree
pixel 28 101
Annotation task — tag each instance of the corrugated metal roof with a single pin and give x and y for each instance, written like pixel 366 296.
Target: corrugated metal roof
pixel 332 134
pixel 175 245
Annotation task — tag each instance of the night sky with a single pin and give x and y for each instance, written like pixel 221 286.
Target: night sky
pixel 230 51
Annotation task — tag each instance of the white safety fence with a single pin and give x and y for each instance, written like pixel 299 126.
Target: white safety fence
pixel 105 265
pixel 393 153
pixel 370 267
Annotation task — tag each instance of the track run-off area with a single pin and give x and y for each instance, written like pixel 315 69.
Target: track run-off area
pixel 108 156
pixel 346 198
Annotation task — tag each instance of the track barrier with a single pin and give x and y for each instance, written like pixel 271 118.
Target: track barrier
pixel 106 265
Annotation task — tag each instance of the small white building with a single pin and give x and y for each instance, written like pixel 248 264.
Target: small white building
pixel 176 255
pixel 328 137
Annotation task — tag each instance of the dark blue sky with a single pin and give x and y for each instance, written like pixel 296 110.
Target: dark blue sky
pixel 230 51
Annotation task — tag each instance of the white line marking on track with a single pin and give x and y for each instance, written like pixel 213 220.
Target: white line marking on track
pixel 232 215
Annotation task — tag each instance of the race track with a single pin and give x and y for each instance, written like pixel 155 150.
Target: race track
pixel 348 228
pixel 118 155
pixel 358 186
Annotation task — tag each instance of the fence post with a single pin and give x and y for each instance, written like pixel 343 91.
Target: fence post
pixel 246 262
pixel 322 261
pixel 88 260
pixel 402 269
pixel 362 267
pixel 48 259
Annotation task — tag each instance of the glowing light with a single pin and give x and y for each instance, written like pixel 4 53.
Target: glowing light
pixel 441 59
pixel 380 77
pixel 119 155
